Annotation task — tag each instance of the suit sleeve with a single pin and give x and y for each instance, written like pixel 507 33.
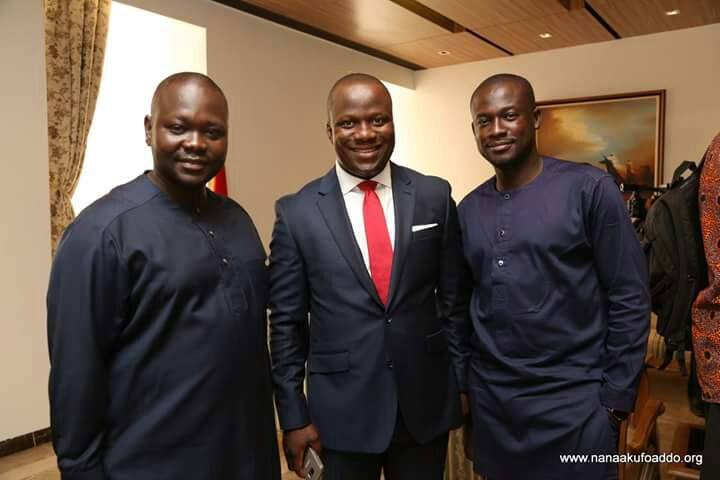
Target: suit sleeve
pixel 622 269
pixel 453 294
pixel 85 309
pixel 289 329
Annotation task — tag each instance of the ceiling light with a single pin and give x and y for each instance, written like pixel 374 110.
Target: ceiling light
pixel 444 52
pixel 545 35
pixel 670 13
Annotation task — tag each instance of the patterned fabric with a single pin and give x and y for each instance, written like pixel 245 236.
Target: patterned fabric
pixel 706 310
pixel 75 36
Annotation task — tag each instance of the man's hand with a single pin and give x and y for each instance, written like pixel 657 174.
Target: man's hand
pixel 295 442
pixel 464 405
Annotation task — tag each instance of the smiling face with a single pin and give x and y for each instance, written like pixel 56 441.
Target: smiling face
pixel 504 123
pixel 187 132
pixel 360 126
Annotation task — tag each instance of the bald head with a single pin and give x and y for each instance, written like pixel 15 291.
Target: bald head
pixel 352 79
pixel 503 79
pixel 183 78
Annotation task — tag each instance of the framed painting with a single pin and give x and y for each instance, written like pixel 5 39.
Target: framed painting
pixel 621 134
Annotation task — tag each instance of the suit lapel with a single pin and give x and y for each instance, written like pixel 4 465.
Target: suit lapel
pixel 404 199
pixel 332 207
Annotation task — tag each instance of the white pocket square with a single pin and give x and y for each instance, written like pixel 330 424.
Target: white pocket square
pixel 417 228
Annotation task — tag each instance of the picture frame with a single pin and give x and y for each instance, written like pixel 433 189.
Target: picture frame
pixel 623 134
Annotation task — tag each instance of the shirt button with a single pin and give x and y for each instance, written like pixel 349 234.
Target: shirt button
pixel 211 233
pixel 506 196
pixel 197 210
pixel 502 233
pixel 224 261
pixel 501 263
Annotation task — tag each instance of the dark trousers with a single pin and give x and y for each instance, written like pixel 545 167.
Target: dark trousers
pixel 711 453
pixel 403 460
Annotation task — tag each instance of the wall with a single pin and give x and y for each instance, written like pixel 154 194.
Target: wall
pixel 176 47
pixel 686 63
pixel 276 81
pixel 25 232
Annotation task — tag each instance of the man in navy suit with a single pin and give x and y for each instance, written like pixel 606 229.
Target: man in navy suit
pixel 156 316
pixel 365 272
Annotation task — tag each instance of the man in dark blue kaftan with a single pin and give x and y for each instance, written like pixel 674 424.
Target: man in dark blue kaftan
pixel 560 302
pixel 156 316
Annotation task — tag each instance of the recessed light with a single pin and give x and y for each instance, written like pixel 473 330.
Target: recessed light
pixel 444 52
pixel 670 13
pixel 545 35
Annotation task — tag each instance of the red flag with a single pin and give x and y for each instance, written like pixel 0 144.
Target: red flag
pixel 218 183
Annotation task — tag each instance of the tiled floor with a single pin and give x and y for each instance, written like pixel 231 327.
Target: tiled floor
pixel 39 463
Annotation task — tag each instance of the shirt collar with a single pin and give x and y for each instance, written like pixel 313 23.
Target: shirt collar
pixel 348 182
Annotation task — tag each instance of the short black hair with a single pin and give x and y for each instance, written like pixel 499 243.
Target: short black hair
pixel 353 78
pixel 184 76
pixel 506 77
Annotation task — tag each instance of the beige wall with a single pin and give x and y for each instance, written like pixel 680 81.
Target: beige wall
pixel 276 81
pixel 25 232
pixel 686 63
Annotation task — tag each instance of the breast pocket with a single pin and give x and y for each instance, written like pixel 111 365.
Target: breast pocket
pixel 427 234
pixel 248 286
pixel 527 298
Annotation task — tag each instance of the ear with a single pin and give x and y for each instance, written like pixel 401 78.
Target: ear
pixel 148 129
pixel 537 116
pixel 329 132
pixel 472 126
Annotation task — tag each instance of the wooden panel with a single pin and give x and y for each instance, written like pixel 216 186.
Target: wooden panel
pixel 375 23
pixel 462 47
pixel 475 14
pixel 567 29
pixel 639 17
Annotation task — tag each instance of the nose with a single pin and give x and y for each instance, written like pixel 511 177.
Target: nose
pixel 497 129
pixel 365 132
pixel 195 141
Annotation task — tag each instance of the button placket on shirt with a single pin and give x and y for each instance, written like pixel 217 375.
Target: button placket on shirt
pixel 501 251
pixel 503 229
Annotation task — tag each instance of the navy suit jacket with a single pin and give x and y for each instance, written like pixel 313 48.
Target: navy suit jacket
pixel 365 359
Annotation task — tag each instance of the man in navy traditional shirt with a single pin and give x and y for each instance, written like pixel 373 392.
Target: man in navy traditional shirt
pixel 560 303
pixel 156 316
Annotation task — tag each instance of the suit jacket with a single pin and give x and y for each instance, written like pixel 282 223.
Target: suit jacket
pixel 365 359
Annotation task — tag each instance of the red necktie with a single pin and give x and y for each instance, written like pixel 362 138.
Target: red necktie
pixel 378 240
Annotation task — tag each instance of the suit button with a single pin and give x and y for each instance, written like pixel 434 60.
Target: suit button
pixel 388 321
pixel 389 364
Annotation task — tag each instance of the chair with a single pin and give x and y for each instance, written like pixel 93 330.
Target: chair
pixel 681 442
pixel 639 434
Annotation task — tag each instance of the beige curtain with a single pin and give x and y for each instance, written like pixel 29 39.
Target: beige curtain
pixel 458 467
pixel 75 35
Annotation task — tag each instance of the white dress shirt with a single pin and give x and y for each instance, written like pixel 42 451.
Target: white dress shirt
pixel 354 197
